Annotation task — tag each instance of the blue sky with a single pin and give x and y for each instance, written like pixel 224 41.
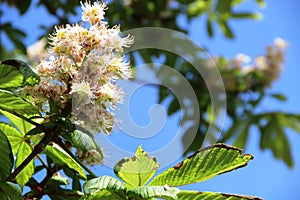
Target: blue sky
pixel 264 176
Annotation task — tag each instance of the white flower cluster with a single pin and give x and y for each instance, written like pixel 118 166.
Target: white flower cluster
pixel 261 73
pixel 83 68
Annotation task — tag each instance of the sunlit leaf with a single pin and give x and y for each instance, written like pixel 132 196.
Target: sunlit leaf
pixel 138 170
pixel 13 135
pixel 12 103
pixel 28 76
pixel 195 195
pixel 203 165
pixel 23 152
pixel 62 158
pixel 10 77
pixel 147 192
pixel 6 161
pixel 105 183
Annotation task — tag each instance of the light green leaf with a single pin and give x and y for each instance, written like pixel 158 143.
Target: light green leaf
pixel 10 77
pixel 261 3
pixel 6 161
pixel 105 183
pixel 9 191
pixel 21 124
pixel 147 192
pixel 138 170
pixel 203 165
pixel 23 152
pixel 195 195
pixel 12 103
pixel 61 158
pixel 13 135
pixel 28 76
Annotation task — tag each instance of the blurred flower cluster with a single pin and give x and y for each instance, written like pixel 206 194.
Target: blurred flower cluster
pixel 82 70
pixel 240 75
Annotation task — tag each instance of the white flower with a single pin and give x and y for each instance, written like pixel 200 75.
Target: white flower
pixel 83 93
pixel 93 13
pixel 280 43
pixel 243 58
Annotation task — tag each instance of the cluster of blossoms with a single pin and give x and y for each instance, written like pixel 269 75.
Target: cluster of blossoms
pixel 241 76
pixel 82 70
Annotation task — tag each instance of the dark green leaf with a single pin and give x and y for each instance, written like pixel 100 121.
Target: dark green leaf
pixel 9 191
pixel 209 27
pixel 279 97
pixel 23 5
pixel 7 160
pixel 225 28
pixel 245 15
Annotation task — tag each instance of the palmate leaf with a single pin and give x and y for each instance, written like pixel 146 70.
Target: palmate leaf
pixel 13 135
pixel 23 126
pixel 203 165
pixel 195 195
pixel 23 152
pixel 16 73
pixel 6 157
pixel 103 185
pixel 86 141
pixel 148 192
pixel 10 77
pixel 14 104
pixel 138 170
pixel 61 158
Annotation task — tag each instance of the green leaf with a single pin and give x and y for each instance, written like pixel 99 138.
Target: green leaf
pixel 245 15
pixel 138 170
pixel 23 126
pixel 147 192
pixel 261 3
pixel 23 152
pixel 15 104
pixel 225 28
pixel 9 191
pixel 102 195
pixel 86 142
pixel 23 5
pixel 105 183
pixel 195 195
pixel 13 135
pixel 29 77
pixel 279 97
pixel 62 158
pixel 55 192
pixel 209 27
pixel 10 77
pixel 203 165
pixel 7 160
